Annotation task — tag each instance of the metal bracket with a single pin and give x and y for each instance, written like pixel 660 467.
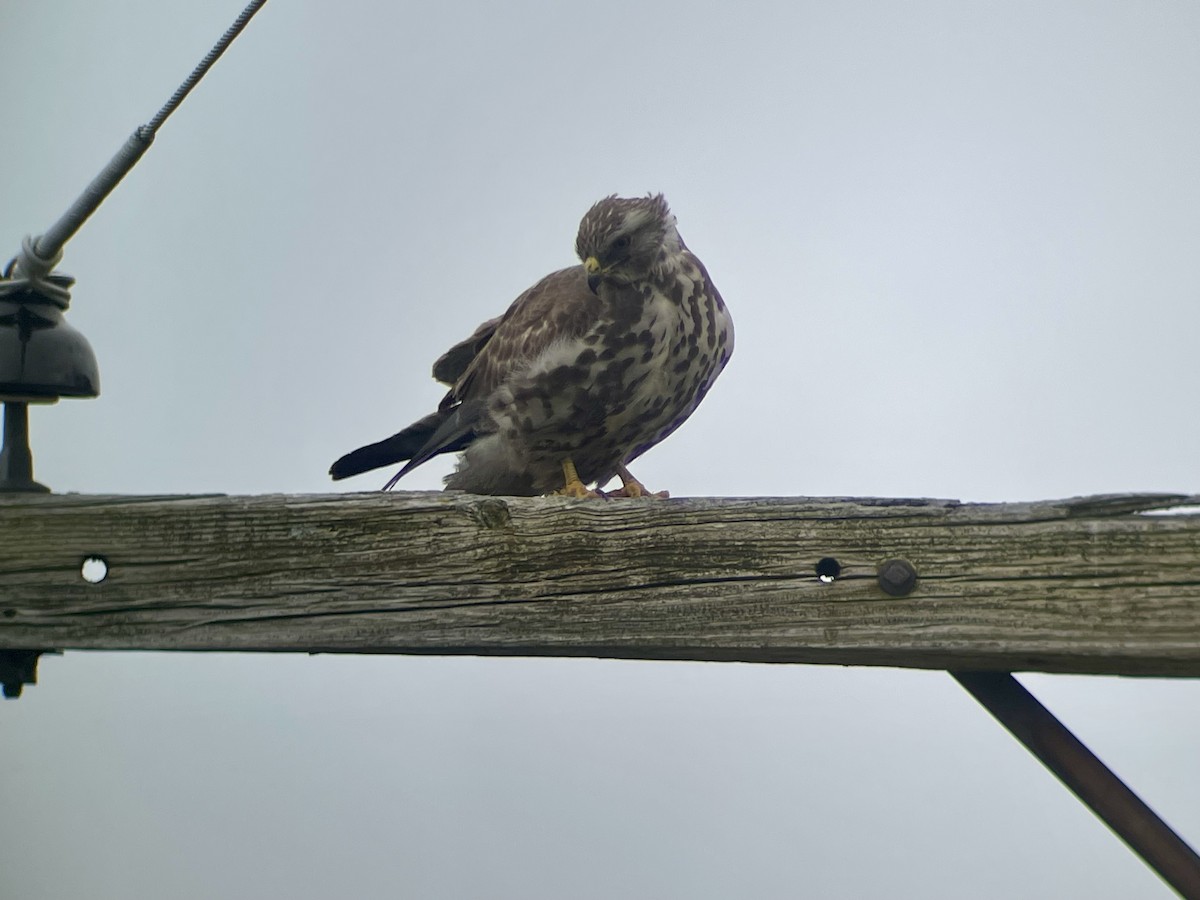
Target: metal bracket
pixel 1088 778
pixel 17 669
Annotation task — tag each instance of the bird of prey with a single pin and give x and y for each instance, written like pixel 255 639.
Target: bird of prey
pixel 586 371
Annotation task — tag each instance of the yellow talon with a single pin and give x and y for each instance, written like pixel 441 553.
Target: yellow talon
pixel 573 487
pixel 631 487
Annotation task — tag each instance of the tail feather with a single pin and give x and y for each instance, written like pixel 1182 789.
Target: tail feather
pixel 444 431
pixel 397 448
pixel 455 430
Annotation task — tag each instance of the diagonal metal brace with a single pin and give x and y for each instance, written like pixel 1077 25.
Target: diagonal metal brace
pixel 1088 778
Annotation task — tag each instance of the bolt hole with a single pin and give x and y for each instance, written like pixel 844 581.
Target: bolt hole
pixel 828 569
pixel 94 569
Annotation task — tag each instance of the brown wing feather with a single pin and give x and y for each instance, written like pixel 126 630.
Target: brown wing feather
pixel 451 365
pixel 558 307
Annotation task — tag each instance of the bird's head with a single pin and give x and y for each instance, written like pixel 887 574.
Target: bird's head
pixel 623 240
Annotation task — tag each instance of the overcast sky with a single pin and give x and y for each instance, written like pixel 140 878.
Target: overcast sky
pixel 959 242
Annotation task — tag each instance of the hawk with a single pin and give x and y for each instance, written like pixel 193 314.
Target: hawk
pixel 586 371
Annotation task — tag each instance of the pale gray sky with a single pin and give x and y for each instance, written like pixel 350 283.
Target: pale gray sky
pixel 959 244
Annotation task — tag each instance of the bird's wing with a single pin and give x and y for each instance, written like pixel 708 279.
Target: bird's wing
pixel 451 365
pixel 559 307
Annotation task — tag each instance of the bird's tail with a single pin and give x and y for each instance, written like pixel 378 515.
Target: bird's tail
pixel 444 431
pixel 399 447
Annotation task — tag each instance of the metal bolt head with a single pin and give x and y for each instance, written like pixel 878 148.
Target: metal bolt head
pixel 897 577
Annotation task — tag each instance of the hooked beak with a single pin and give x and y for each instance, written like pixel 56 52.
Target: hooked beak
pixel 592 266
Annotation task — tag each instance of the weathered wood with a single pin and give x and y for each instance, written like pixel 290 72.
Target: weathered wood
pixel 1090 585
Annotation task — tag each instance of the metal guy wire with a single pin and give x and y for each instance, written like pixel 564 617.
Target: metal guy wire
pixel 48 246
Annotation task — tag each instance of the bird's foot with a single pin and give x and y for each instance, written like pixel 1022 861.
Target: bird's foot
pixel 637 489
pixel 578 490
pixel 574 487
pixel 631 487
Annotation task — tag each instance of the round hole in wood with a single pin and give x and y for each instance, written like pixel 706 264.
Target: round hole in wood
pixel 828 569
pixel 94 569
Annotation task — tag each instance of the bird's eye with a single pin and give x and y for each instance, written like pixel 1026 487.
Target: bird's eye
pixel 621 243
